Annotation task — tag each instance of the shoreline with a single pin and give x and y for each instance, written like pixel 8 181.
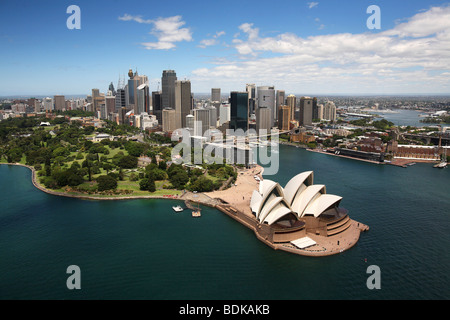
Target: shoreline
pixel 227 201
pixel 85 197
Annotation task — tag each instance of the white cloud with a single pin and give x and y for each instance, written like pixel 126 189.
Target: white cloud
pixel 312 4
pixel 127 17
pixel 413 56
pixel 168 31
pixel 210 42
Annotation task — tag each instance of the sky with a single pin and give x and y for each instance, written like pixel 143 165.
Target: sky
pixel 322 47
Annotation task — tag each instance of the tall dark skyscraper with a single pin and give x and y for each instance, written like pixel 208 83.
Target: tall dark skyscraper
pixel 121 101
pixel 169 77
pixel 157 105
pixel 239 110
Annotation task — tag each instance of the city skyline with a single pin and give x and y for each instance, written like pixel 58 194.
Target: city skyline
pixel 302 47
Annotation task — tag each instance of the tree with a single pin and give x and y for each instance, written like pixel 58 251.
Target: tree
pixel 128 162
pixel 106 182
pixel 202 184
pixel 74 180
pixel 147 184
pixel 179 178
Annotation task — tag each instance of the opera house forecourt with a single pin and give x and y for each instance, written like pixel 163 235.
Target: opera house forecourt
pixel 300 218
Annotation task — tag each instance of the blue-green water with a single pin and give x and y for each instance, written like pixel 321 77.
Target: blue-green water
pixel 142 249
pixel 404 117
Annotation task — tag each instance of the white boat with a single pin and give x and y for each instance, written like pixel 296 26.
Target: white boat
pixel 177 209
pixel 441 165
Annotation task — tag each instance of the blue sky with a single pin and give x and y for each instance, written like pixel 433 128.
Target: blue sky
pixel 302 47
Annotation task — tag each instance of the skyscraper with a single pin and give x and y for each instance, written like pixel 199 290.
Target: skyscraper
pixel 284 118
pixel 120 99
pixel 157 105
pixel 306 111
pixel 251 90
pixel 239 114
pixel 224 113
pixel 266 99
pixel 168 120
pixel 264 120
pixel 48 104
pixel 183 102
pixel 110 104
pixel 215 94
pixel 202 121
pixel 111 88
pixel 291 101
pixel 60 102
pixel 143 99
pixel 169 77
pixel 133 83
pixel 329 111
pixel 280 101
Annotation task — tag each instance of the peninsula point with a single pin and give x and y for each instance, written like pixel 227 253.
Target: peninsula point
pixel 300 218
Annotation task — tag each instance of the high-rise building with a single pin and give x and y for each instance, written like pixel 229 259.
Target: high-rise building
pixel 183 102
pixel 306 111
pixel 320 111
pixel 266 99
pixel 202 121
pixel 168 79
pixel 239 114
pixel 133 83
pixel 215 95
pixel 280 101
pixel 110 104
pixel 168 120
pixel 284 118
pixel 224 113
pixel 95 93
pixel 111 88
pixel 315 109
pixel 264 120
pixel 212 116
pixel 60 102
pixel 329 111
pixel 291 101
pixel 120 99
pixel 251 90
pixel 143 99
pixel 157 105
pixel 190 122
pixel 48 104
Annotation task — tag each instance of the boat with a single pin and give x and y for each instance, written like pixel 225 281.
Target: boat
pixel 443 164
pixel 177 209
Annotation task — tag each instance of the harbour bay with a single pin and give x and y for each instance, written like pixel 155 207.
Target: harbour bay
pixel 141 249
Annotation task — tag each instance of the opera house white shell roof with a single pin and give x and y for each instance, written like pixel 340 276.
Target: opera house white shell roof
pixel 300 197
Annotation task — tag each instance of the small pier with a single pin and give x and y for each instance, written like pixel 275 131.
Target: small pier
pixel 190 205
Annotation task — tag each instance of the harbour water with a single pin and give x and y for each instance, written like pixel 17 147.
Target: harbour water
pixel 404 117
pixel 142 249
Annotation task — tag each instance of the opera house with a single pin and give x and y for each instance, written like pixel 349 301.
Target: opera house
pixel 302 217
